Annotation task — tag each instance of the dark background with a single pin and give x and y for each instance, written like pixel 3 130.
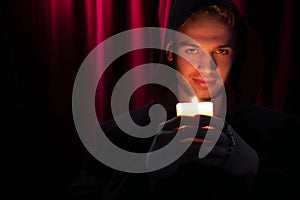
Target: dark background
pixel 43 44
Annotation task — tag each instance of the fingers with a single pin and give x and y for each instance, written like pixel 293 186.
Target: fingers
pixel 174 123
pixel 196 135
pixel 202 121
pixel 162 139
pixel 210 122
pixel 215 151
pixel 194 140
pixel 212 139
pixel 214 158
pixel 189 134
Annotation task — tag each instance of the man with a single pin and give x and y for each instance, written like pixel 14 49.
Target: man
pixel 251 155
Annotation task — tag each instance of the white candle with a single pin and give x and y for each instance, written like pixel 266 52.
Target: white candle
pixel 194 108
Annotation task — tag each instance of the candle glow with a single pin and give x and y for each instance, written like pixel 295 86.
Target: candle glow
pixel 194 108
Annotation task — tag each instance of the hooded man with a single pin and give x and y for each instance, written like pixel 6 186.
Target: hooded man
pixel 220 60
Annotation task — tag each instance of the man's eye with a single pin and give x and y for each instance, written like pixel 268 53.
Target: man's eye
pixel 222 51
pixel 191 51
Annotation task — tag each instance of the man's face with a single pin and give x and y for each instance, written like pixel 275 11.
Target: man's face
pixel 213 38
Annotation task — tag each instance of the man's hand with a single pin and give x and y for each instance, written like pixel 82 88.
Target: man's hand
pixel 228 151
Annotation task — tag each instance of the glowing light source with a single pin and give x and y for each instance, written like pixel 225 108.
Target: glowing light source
pixel 194 108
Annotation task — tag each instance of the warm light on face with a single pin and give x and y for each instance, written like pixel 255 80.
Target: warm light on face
pixel 205 61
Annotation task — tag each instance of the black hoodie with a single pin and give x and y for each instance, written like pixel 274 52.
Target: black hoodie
pixel 272 134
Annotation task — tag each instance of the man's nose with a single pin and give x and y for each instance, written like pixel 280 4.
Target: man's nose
pixel 206 65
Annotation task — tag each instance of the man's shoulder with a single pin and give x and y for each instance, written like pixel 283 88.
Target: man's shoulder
pixel 125 132
pixel 263 119
pixel 139 115
pixel 268 113
pixel 268 122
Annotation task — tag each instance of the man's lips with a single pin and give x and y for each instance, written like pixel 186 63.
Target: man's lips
pixel 204 83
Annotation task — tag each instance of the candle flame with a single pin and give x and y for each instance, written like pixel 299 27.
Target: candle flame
pixel 194 99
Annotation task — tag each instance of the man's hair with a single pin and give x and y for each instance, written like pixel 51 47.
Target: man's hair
pixel 223 13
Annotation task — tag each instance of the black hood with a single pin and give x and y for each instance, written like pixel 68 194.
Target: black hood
pixel 247 71
pixel 182 9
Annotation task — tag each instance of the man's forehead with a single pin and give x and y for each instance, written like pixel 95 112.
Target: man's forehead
pixel 183 41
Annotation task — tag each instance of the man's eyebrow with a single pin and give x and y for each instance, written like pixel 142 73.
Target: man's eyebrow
pixel 225 45
pixel 187 43
pixel 190 44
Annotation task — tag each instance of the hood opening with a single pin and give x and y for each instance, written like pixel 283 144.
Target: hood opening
pixel 247 71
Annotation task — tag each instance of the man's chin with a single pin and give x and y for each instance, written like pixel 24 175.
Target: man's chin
pixel 206 96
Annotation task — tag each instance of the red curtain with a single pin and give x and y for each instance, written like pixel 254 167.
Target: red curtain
pixel 46 41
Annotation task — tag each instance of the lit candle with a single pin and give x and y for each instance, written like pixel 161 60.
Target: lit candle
pixel 194 108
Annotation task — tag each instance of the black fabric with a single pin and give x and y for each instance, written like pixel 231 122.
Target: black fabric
pixel 278 172
pixel 182 9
